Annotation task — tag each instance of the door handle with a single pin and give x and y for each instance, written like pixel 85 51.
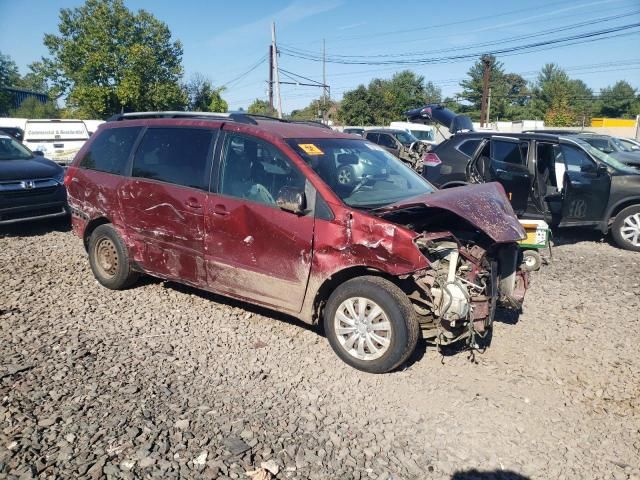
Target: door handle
pixel 193 203
pixel 220 209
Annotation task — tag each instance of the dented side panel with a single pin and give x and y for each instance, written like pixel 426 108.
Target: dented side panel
pixel 258 252
pixel 165 228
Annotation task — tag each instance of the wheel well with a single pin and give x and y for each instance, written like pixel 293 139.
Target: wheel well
pixel 453 184
pixel 621 207
pixel 91 226
pixel 338 278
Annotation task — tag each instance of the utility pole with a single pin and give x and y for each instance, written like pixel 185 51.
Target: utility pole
pixel 271 76
pixel 486 62
pixel 489 107
pixel 275 69
pixel 324 82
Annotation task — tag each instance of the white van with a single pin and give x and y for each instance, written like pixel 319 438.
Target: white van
pixel 424 133
pixel 59 140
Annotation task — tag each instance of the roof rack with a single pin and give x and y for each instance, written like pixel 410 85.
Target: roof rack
pixel 234 117
pixel 239 117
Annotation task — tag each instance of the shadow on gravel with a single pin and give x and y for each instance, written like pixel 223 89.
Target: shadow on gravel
pixel 570 236
pixel 36 228
pixel 488 475
pixel 230 302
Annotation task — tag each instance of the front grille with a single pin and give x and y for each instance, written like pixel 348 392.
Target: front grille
pixel 27 193
pixel 28 188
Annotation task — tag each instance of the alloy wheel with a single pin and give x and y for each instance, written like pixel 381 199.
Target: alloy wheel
pixel 630 229
pixel 362 328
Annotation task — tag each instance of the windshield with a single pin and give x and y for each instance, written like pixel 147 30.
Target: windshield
pixel 604 157
pixel 361 173
pixel 406 138
pixel 10 149
pixel 622 146
pixel 423 134
pixel 602 144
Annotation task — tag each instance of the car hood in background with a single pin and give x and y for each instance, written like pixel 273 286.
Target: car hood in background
pixel 442 115
pixel 32 168
pixel 630 158
pixel 485 206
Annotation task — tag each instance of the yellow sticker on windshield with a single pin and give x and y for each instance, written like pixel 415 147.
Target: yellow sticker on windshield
pixel 310 149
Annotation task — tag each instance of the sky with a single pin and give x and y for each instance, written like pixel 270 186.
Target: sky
pixel 225 40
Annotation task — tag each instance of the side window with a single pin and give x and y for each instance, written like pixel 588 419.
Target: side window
pixel 174 155
pixel 256 170
pixel 372 137
pixel 469 146
pixel 386 141
pixel 576 160
pixel 110 151
pixel 508 152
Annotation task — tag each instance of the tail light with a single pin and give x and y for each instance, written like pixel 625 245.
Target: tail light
pixel 431 160
pixel 68 175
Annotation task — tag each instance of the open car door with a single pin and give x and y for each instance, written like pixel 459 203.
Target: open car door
pixel 504 160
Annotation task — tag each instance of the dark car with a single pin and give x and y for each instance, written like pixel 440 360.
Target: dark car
pixel 613 147
pixel 400 143
pixel 354 131
pixel 14 132
pixel 562 179
pixel 252 208
pixel 31 187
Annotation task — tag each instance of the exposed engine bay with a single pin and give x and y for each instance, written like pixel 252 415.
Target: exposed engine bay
pixel 469 277
pixel 413 154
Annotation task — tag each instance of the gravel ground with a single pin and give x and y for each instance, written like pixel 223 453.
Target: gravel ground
pixel 166 381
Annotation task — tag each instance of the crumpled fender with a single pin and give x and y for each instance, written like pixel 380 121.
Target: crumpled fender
pixel 485 206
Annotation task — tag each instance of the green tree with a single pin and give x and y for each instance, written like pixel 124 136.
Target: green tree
pixel 107 59
pixel 619 100
pixel 560 100
pixel 383 101
pixel 432 93
pixel 218 104
pixel 9 77
pixel 262 107
pixel 33 108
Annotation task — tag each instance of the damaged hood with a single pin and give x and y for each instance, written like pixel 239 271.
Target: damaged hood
pixel 442 115
pixel 485 206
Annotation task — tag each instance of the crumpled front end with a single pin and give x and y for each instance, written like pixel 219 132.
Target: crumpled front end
pixel 458 295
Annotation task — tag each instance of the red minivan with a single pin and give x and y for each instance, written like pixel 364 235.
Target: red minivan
pixel 324 226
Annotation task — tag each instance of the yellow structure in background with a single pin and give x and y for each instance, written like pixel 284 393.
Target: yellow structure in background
pixel 613 122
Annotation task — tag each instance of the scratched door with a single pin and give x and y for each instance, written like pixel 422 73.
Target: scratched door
pixel 163 201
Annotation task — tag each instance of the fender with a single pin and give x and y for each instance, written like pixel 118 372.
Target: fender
pixel 604 224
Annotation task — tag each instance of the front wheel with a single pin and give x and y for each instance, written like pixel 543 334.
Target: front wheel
pixel 626 228
pixel 371 324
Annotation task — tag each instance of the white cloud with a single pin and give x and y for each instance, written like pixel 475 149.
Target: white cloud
pixel 294 12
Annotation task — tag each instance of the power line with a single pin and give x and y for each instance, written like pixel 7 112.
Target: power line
pixel 242 75
pixel 586 36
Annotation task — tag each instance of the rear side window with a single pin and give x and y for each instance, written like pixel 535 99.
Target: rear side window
pixel 174 155
pixel 110 151
pixel 509 152
pixel 469 146
pixel 386 141
pixel 372 137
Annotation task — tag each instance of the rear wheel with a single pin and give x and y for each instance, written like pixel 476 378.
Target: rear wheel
pixel 532 260
pixel 109 259
pixel 371 324
pixel 626 228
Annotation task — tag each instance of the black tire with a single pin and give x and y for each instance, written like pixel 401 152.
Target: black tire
pixel 109 259
pixel 627 217
pixel 404 327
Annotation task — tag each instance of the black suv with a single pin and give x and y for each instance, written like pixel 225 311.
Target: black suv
pixel 560 178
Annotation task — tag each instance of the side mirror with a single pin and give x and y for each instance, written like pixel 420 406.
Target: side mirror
pixel 602 169
pixel 589 168
pixel 291 199
pixel 38 153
